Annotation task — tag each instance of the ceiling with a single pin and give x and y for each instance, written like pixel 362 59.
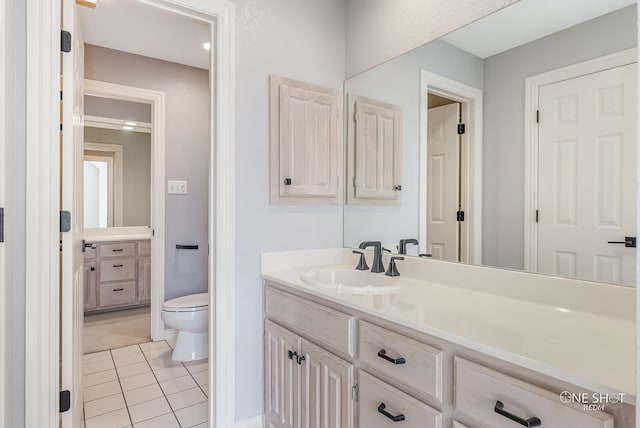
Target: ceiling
pixel 525 21
pixel 130 26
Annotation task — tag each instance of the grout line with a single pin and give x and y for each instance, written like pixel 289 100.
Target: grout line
pixel 124 397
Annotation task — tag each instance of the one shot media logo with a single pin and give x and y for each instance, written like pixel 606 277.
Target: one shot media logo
pixel 592 401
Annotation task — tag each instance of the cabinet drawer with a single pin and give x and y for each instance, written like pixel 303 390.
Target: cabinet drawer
pixel 117 250
pixel 333 329
pixel 408 361
pixel 90 253
pixel 376 397
pixel 478 389
pixel 117 269
pixel 119 293
pixel 144 248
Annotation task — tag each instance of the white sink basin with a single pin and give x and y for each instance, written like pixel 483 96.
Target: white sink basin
pixel 353 281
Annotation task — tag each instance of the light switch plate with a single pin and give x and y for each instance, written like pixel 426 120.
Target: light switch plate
pixel 176 187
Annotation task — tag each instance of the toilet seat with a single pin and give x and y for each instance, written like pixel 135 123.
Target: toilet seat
pixel 190 303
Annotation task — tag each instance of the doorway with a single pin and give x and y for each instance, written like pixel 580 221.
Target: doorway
pixel 582 129
pixel 43 115
pixel 450 182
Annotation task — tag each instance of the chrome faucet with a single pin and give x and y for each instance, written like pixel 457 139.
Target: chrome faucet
pixel 403 245
pixel 377 265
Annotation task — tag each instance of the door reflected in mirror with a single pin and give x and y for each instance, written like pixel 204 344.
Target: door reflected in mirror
pixel 534 166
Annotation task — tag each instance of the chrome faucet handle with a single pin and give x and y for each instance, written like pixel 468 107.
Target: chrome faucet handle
pixel 393 269
pixel 362 264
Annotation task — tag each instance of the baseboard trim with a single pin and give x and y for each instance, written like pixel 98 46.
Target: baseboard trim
pixel 255 422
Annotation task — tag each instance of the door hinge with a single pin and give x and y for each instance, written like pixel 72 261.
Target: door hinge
pixel 537 213
pixel 461 128
pixel 354 116
pixel 60 95
pixel 354 392
pixel 537 116
pixel 153 232
pixel 1 224
pixel 460 215
pixel 65 401
pixel 65 221
pixel 65 41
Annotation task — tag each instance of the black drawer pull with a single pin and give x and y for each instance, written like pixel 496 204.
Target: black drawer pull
pixel 396 418
pixel 118 289
pixel 383 354
pixel 118 265
pixel 531 422
pixel 186 247
pixel 115 250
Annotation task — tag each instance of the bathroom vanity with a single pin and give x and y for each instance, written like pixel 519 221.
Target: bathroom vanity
pixel 117 272
pixel 443 345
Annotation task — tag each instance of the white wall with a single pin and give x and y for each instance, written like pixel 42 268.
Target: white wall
pixel 186 151
pixel 398 82
pixel 379 30
pixel 299 39
pixel 503 158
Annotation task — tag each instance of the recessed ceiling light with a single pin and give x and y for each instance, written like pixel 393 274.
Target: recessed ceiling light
pixel 128 128
pixel 130 123
pixel 207 45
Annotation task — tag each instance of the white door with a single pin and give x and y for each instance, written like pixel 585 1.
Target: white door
pixel 443 154
pixel 587 176
pixel 72 299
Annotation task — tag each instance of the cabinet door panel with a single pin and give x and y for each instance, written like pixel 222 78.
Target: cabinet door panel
pixel 282 392
pixel 90 278
pixel 144 279
pixel 326 386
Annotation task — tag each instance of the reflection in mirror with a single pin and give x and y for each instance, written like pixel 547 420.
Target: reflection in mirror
pixel 518 143
pixel 117 167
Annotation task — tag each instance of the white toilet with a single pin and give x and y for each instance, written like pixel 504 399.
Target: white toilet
pixel 190 316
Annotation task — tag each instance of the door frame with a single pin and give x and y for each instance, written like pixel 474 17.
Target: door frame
pixel 471 153
pixel 4 178
pixel 42 205
pixel 118 173
pixel 532 86
pixel 156 100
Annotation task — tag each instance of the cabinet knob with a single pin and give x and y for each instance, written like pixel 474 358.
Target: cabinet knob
pixel 287 182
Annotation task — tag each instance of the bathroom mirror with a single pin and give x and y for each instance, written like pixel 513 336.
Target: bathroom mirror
pixel 542 177
pixel 117 163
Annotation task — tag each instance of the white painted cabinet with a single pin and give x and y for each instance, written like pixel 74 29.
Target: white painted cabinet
pixel 374 152
pixel 305 143
pixel 117 275
pixel 305 385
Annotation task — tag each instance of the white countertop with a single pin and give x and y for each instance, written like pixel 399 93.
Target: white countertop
pixel 110 234
pixel 591 349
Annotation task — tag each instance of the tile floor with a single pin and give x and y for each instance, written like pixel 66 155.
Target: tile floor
pixel 140 386
pixel 116 329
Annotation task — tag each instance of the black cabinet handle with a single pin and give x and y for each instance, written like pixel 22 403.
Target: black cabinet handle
pixel 186 247
pixel 292 354
pixel 531 422
pixel 396 418
pixel 115 250
pixel 118 289
pixel 92 269
pixel 118 265
pixel 383 354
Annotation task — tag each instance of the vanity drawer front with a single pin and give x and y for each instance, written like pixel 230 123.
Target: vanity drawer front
pixel 117 250
pixel 478 389
pixel 119 293
pixel 415 364
pixel 325 326
pixel 117 269
pixel 374 394
pixel 90 253
pixel 144 248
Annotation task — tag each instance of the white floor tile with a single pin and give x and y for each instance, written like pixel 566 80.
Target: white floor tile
pixel 149 409
pixel 140 395
pixel 186 398
pixel 98 366
pixel 203 425
pixel 117 419
pixel 170 373
pixel 125 350
pixel 96 356
pixel 205 389
pixel 137 381
pixel 101 390
pixel 158 353
pixel 197 366
pixel 194 415
pixel 128 359
pixel 177 384
pixel 161 363
pixel 133 369
pixel 104 405
pixel 165 421
pixel 201 378
pixel 98 378
pixel 153 345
